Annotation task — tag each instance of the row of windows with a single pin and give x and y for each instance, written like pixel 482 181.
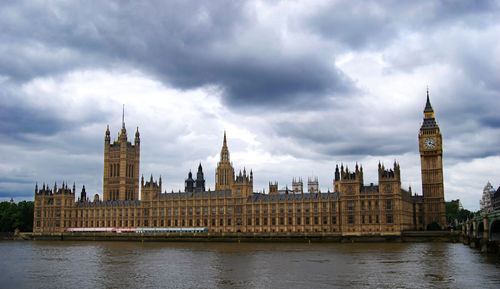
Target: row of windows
pixel 205 222
pixel 429 131
pixel 220 210
pixel 189 211
pixel 227 221
pixel 370 219
pixel 351 205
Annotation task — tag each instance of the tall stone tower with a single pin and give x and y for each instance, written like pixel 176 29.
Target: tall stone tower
pixel 431 162
pixel 121 166
pixel 200 180
pixel 224 176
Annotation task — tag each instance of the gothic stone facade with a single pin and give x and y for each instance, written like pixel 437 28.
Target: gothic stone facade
pixel 351 209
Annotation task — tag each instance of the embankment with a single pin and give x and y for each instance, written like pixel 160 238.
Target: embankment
pixel 410 236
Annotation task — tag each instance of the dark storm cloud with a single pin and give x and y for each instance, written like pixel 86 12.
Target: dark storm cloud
pixel 20 120
pixel 374 24
pixel 492 120
pixel 186 44
pixel 342 138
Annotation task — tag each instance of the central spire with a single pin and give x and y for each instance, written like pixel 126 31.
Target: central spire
pixel 224 154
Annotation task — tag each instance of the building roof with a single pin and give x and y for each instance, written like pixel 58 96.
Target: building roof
pixel 260 197
pixel 429 123
pixel 116 203
pixel 226 193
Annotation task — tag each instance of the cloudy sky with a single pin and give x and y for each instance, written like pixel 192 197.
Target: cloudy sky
pixel 299 86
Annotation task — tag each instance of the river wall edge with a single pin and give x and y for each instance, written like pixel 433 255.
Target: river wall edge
pixel 407 236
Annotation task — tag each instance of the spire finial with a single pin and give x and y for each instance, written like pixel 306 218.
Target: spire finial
pixel 225 143
pixel 123 116
pixel 428 106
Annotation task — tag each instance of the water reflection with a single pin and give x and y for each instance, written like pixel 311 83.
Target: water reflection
pixel 246 265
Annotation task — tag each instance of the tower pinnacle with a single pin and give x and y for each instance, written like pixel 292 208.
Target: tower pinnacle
pixel 123 116
pixel 428 106
pixel 123 132
pixel 429 118
pixel 224 154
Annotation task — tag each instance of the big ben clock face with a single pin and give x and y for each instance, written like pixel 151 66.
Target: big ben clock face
pixel 429 143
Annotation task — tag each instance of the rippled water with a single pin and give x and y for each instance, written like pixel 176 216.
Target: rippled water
pixel 41 264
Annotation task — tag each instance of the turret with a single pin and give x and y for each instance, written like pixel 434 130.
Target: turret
pixel 137 140
pixel 273 188
pixel 150 189
pixel 83 195
pixel 390 174
pixel 107 137
pixel 200 180
pixel 189 183
pixel 356 175
pixel 350 182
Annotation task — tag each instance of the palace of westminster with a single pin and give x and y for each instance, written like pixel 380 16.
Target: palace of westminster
pixel 351 209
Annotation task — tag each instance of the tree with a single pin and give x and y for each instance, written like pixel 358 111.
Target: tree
pixel 464 214
pixel 18 216
pixel 451 212
pixel 433 226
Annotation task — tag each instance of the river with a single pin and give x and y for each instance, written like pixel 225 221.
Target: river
pixel 53 264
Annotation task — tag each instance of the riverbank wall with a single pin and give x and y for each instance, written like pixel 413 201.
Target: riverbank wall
pixel 409 236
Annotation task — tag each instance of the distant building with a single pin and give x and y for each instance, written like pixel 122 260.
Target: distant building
pixel 457 201
pixel 313 185
pixel 485 204
pixel 297 186
pixel 495 200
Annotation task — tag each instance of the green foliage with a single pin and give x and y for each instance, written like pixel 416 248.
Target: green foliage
pixel 434 226
pixel 451 212
pixel 464 214
pixel 18 216
pixel 459 227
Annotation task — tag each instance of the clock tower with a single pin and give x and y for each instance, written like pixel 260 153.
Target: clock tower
pixel 431 162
